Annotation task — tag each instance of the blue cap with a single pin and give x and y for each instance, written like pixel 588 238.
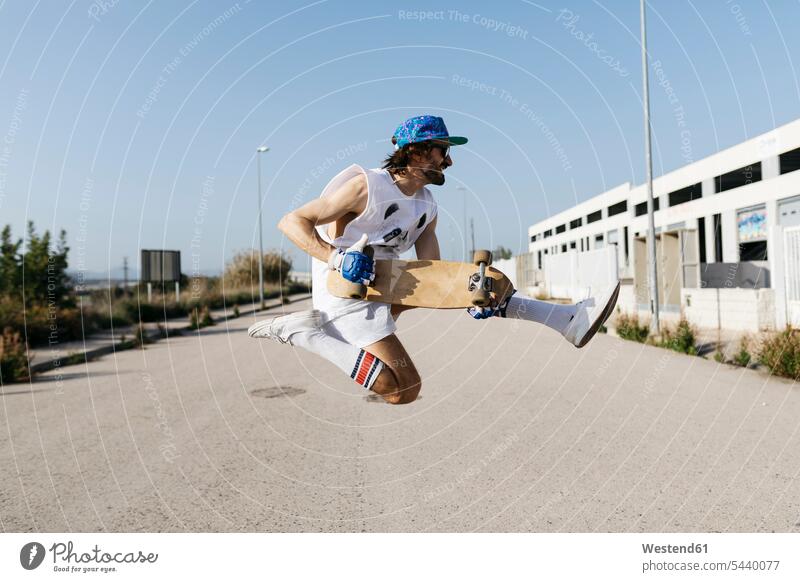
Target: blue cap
pixel 424 128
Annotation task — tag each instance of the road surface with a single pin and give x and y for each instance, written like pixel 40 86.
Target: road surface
pixel 515 431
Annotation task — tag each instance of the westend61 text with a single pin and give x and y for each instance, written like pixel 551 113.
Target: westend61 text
pixel 670 549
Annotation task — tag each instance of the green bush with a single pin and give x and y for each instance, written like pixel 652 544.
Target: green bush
pixel 743 357
pixel 719 357
pixel 628 328
pixel 205 317
pixel 681 339
pixel 781 353
pixel 242 270
pixel 14 364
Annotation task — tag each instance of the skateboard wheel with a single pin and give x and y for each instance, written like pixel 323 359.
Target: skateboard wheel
pixel 482 257
pixel 480 298
pixel 356 290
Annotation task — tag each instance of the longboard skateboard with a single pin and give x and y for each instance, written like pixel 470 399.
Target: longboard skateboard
pixel 431 284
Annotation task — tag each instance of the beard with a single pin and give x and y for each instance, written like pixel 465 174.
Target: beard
pixel 435 177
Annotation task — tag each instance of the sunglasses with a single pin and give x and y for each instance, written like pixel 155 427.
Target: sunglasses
pixel 444 148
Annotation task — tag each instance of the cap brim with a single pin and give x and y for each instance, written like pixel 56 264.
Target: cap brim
pixel 455 140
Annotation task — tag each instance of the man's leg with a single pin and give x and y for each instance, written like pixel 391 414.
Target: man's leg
pixel 577 323
pixel 399 381
pixel 303 329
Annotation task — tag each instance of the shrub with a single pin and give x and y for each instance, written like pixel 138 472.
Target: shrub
pixel 242 270
pixel 628 328
pixel 719 357
pixel 13 357
pixel 681 339
pixel 140 336
pixel 205 317
pixel 236 310
pixel 743 357
pixel 193 319
pixel 781 353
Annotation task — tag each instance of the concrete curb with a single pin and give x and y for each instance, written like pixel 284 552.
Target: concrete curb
pixel 83 357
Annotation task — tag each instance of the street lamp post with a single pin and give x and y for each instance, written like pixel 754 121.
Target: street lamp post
pixel 260 150
pixel 464 190
pixel 648 153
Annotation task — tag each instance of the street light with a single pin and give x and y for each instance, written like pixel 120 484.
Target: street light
pixel 463 189
pixel 260 150
pixel 655 328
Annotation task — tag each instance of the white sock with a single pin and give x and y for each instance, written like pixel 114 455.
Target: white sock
pixel 359 364
pixel 552 315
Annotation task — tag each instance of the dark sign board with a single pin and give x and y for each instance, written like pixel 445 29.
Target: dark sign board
pixel 160 266
pixel 745 275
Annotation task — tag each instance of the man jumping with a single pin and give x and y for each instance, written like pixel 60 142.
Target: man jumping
pixel 393 210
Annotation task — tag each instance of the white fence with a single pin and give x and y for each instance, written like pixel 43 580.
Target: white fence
pixel 576 276
pixel 509 269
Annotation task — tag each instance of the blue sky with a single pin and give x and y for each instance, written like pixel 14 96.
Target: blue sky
pixel 134 125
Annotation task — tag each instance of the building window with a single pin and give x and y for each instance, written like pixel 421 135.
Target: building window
pixel 641 208
pixel 533 238
pixel 701 235
pixel 581 245
pixel 598 241
pixel 738 178
pixel 618 208
pixel 790 161
pixel 718 238
pixel 539 259
pixel 572 245
pixel 575 223
pixel 561 228
pixel 687 194
pixel 751 224
pixel 548 233
pixel 564 248
pixel 626 245
pixel 594 217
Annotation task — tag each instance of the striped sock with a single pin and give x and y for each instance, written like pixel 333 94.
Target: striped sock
pixel 366 369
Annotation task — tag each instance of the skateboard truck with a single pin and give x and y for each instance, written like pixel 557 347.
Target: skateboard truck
pixel 479 285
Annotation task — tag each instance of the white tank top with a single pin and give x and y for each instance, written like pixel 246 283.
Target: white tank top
pixel 391 220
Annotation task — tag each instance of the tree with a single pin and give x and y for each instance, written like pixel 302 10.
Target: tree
pixel 10 264
pixel 44 273
pixel 501 252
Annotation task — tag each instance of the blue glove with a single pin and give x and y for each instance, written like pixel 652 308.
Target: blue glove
pixel 482 312
pixel 353 264
pixel 492 310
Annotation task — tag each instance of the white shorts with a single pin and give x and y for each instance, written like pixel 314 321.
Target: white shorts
pixel 359 323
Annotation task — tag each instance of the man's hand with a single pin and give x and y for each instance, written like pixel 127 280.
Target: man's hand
pixel 353 264
pixel 482 312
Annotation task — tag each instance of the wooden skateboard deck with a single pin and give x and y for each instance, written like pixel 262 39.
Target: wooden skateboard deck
pixel 431 284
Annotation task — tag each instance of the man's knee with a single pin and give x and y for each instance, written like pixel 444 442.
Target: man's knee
pixel 403 389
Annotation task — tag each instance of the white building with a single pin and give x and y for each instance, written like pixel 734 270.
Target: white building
pixel 728 230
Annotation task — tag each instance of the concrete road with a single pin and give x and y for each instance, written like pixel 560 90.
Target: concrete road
pixel 515 431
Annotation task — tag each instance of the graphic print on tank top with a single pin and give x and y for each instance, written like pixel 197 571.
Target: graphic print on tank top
pixel 391 220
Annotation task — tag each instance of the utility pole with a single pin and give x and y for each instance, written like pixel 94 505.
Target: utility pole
pixel 125 275
pixel 463 190
pixel 648 152
pixel 260 151
pixel 472 227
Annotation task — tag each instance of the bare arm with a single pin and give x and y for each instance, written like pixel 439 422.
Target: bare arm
pixel 299 225
pixel 427 245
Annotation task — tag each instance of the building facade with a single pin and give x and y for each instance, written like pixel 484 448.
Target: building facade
pixel 728 230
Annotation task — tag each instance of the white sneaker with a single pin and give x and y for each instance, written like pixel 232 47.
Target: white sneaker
pixel 591 314
pixel 281 328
